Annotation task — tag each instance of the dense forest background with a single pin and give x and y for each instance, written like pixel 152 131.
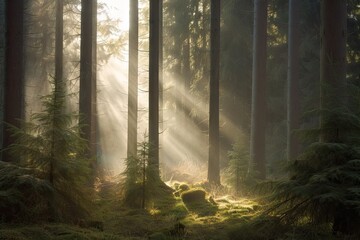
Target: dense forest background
pixel 179 119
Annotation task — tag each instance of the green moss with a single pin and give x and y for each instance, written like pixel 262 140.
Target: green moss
pixel 11 235
pixel 178 210
pixel 193 195
pixel 194 200
pixel 184 187
pixel 158 236
pixel 54 232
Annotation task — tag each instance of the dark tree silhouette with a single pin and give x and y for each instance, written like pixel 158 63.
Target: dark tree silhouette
pixel 214 155
pixel 332 63
pixel 2 67
pixel 293 104
pixel 59 44
pixel 258 109
pixel 14 86
pixel 87 105
pixel 154 52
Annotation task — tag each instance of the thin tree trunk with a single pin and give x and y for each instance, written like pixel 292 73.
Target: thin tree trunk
pixel 154 84
pixel 161 82
pixel 2 67
pixel 14 84
pixel 87 105
pixel 133 79
pixel 59 46
pixel 214 155
pixel 143 200
pixel 257 164
pixel 293 104
pixel 59 88
pixel 332 63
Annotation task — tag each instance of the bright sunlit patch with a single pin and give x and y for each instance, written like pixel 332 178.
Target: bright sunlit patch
pixel 117 9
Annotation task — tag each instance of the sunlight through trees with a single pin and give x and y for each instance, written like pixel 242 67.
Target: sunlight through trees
pixel 172 119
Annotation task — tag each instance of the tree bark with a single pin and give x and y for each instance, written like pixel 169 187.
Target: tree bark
pixel 257 164
pixel 59 45
pixel 214 155
pixel 161 82
pixel 293 104
pixel 14 84
pixel 2 67
pixel 133 79
pixel 332 63
pixel 87 105
pixel 154 51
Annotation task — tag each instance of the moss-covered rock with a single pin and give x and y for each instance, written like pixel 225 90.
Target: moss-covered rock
pixel 195 201
pixel 184 187
pixel 193 195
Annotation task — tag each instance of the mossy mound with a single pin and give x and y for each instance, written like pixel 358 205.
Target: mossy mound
pixel 193 195
pixel 195 201
pixel 184 187
pixel 180 188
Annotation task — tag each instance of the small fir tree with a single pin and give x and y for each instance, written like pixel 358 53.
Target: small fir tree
pixel 136 177
pixel 237 170
pixel 50 145
pixel 142 183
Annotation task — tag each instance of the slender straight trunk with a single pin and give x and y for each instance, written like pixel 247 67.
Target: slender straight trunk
pixel 178 88
pixel 154 50
pixel 59 45
pixel 87 105
pixel 332 63
pixel 143 200
pixel 186 70
pixel 161 82
pixel 14 85
pixel 94 118
pixel 133 79
pixel 2 67
pixel 293 101
pixel 257 164
pixel 59 88
pixel 214 154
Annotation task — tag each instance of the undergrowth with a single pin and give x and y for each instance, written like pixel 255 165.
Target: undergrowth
pixel 172 219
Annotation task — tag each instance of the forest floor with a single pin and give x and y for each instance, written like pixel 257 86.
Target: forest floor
pixel 171 219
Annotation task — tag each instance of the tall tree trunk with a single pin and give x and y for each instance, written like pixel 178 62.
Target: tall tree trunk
pixel 214 155
pixel 2 67
pixel 257 164
pixel 293 104
pixel 133 79
pixel 59 45
pixel 59 90
pixel 59 87
pixel 87 105
pixel 161 82
pixel 332 63
pixel 14 85
pixel 333 90
pixel 154 50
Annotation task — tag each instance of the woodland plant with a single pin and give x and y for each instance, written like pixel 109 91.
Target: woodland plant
pixel 23 193
pixel 324 184
pixel 140 179
pixel 236 174
pixel 49 150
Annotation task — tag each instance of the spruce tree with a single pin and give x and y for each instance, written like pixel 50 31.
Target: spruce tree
pixel 50 144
